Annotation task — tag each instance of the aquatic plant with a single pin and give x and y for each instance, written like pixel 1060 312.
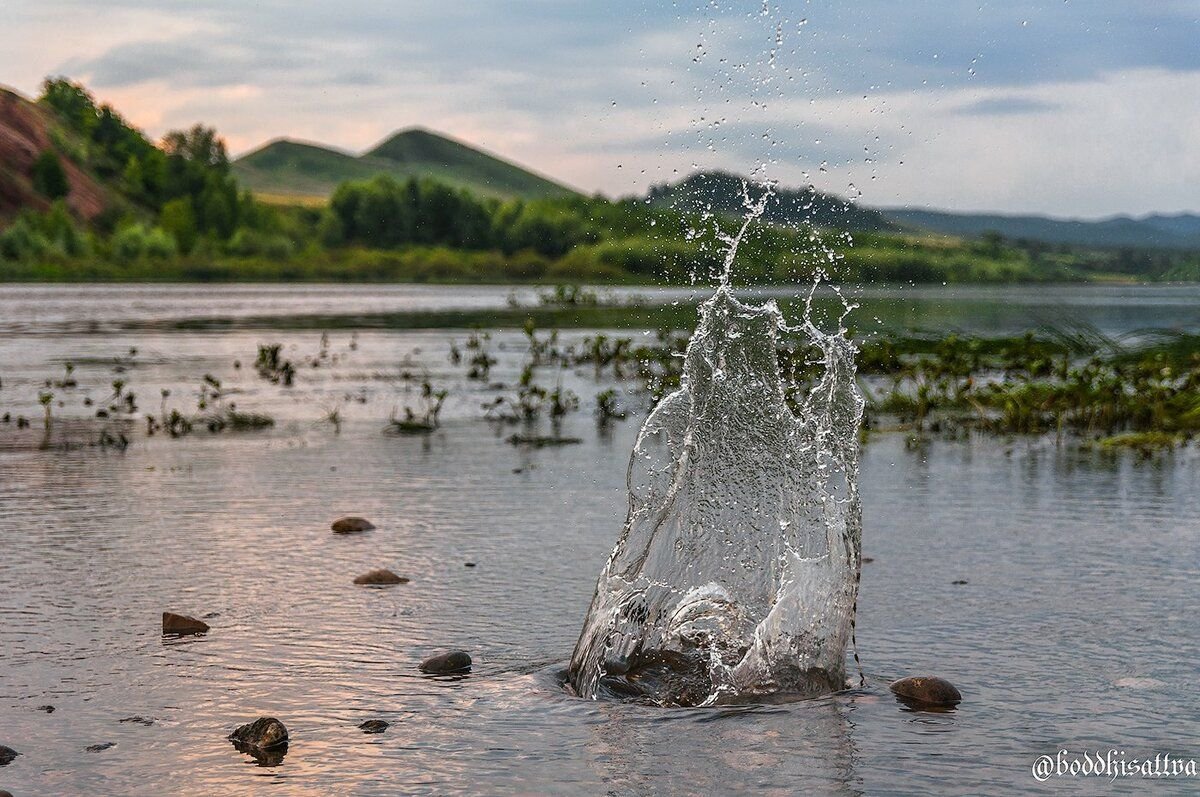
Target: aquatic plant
pixel 423 419
pixel 1031 384
pixel 569 296
pixel 107 439
pixel 271 366
pixel 480 360
pixel 608 408
pixel 541 352
pixel 68 379
pixel 333 417
pixel 234 420
pixel 46 399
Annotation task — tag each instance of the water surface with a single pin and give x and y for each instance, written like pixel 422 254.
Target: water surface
pixel 1076 627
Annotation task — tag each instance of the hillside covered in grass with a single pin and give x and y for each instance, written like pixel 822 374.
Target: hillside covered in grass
pixel 284 168
pixel 86 196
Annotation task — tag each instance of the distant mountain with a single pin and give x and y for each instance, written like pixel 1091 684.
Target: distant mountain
pixel 1180 231
pixel 292 167
pixel 721 192
pixel 28 130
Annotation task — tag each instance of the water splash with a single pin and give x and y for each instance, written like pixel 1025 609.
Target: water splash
pixel 736 572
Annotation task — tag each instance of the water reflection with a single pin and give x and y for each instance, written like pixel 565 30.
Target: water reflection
pixel 802 747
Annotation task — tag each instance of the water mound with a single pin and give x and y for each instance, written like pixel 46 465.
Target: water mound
pixel 736 572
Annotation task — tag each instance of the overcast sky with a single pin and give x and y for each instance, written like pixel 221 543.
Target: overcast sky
pixel 1077 108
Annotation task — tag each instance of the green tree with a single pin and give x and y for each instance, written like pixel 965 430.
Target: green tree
pixel 49 178
pixel 178 219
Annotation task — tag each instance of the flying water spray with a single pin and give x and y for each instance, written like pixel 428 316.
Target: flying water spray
pixel 736 573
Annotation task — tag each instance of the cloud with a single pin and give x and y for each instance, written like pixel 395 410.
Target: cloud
pixel 982 105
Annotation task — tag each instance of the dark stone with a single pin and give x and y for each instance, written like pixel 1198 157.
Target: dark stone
pixel 49 709
pixel 456 661
pixel 7 754
pixel 930 691
pixel 374 726
pixel 4 793
pixel 866 560
pixel 468 564
pixel 662 677
pixel 182 624
pixel 959 582
pixel 350 525
pixel 138 719
pixel 265 733
pixel 380 578
pixel 96 748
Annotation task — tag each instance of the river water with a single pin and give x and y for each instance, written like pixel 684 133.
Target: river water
pixel 1075 629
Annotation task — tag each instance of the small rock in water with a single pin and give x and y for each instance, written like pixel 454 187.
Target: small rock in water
pixel 468 564
pixel 49 709
pixel 182 624
pixel 959 582
pixel 374 726
pixel 96 748
pixel 264 733
pixel 7 754
pixel 456 661
pixel 926 691
pixel 379 578
pixel 4 793
pixel 866 560
pixel 350 525
pixel 138 719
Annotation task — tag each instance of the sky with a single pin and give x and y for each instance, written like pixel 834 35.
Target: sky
pixel 1074 108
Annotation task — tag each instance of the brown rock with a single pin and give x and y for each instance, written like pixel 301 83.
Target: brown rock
pixel 264 733
pixel 926 691
pixel 374 726
pixel 380 578
pixel 456 661
pixel 4 793
pixel 351 525
pixel 182 624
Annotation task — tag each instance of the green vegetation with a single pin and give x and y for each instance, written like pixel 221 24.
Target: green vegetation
pixel 1053 383
pixel 48 176
pixel 176 212
pixel 290 167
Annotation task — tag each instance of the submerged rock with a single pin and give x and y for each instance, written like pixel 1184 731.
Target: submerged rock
pixel 96 748
pixel 138 719
pixel 456 661
pixel 374 726
pixel 351 525
pixel 925 691
pixel 265 733
pixel 49 709
pixel 380 578
pixel 7 754
pixel 182 624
